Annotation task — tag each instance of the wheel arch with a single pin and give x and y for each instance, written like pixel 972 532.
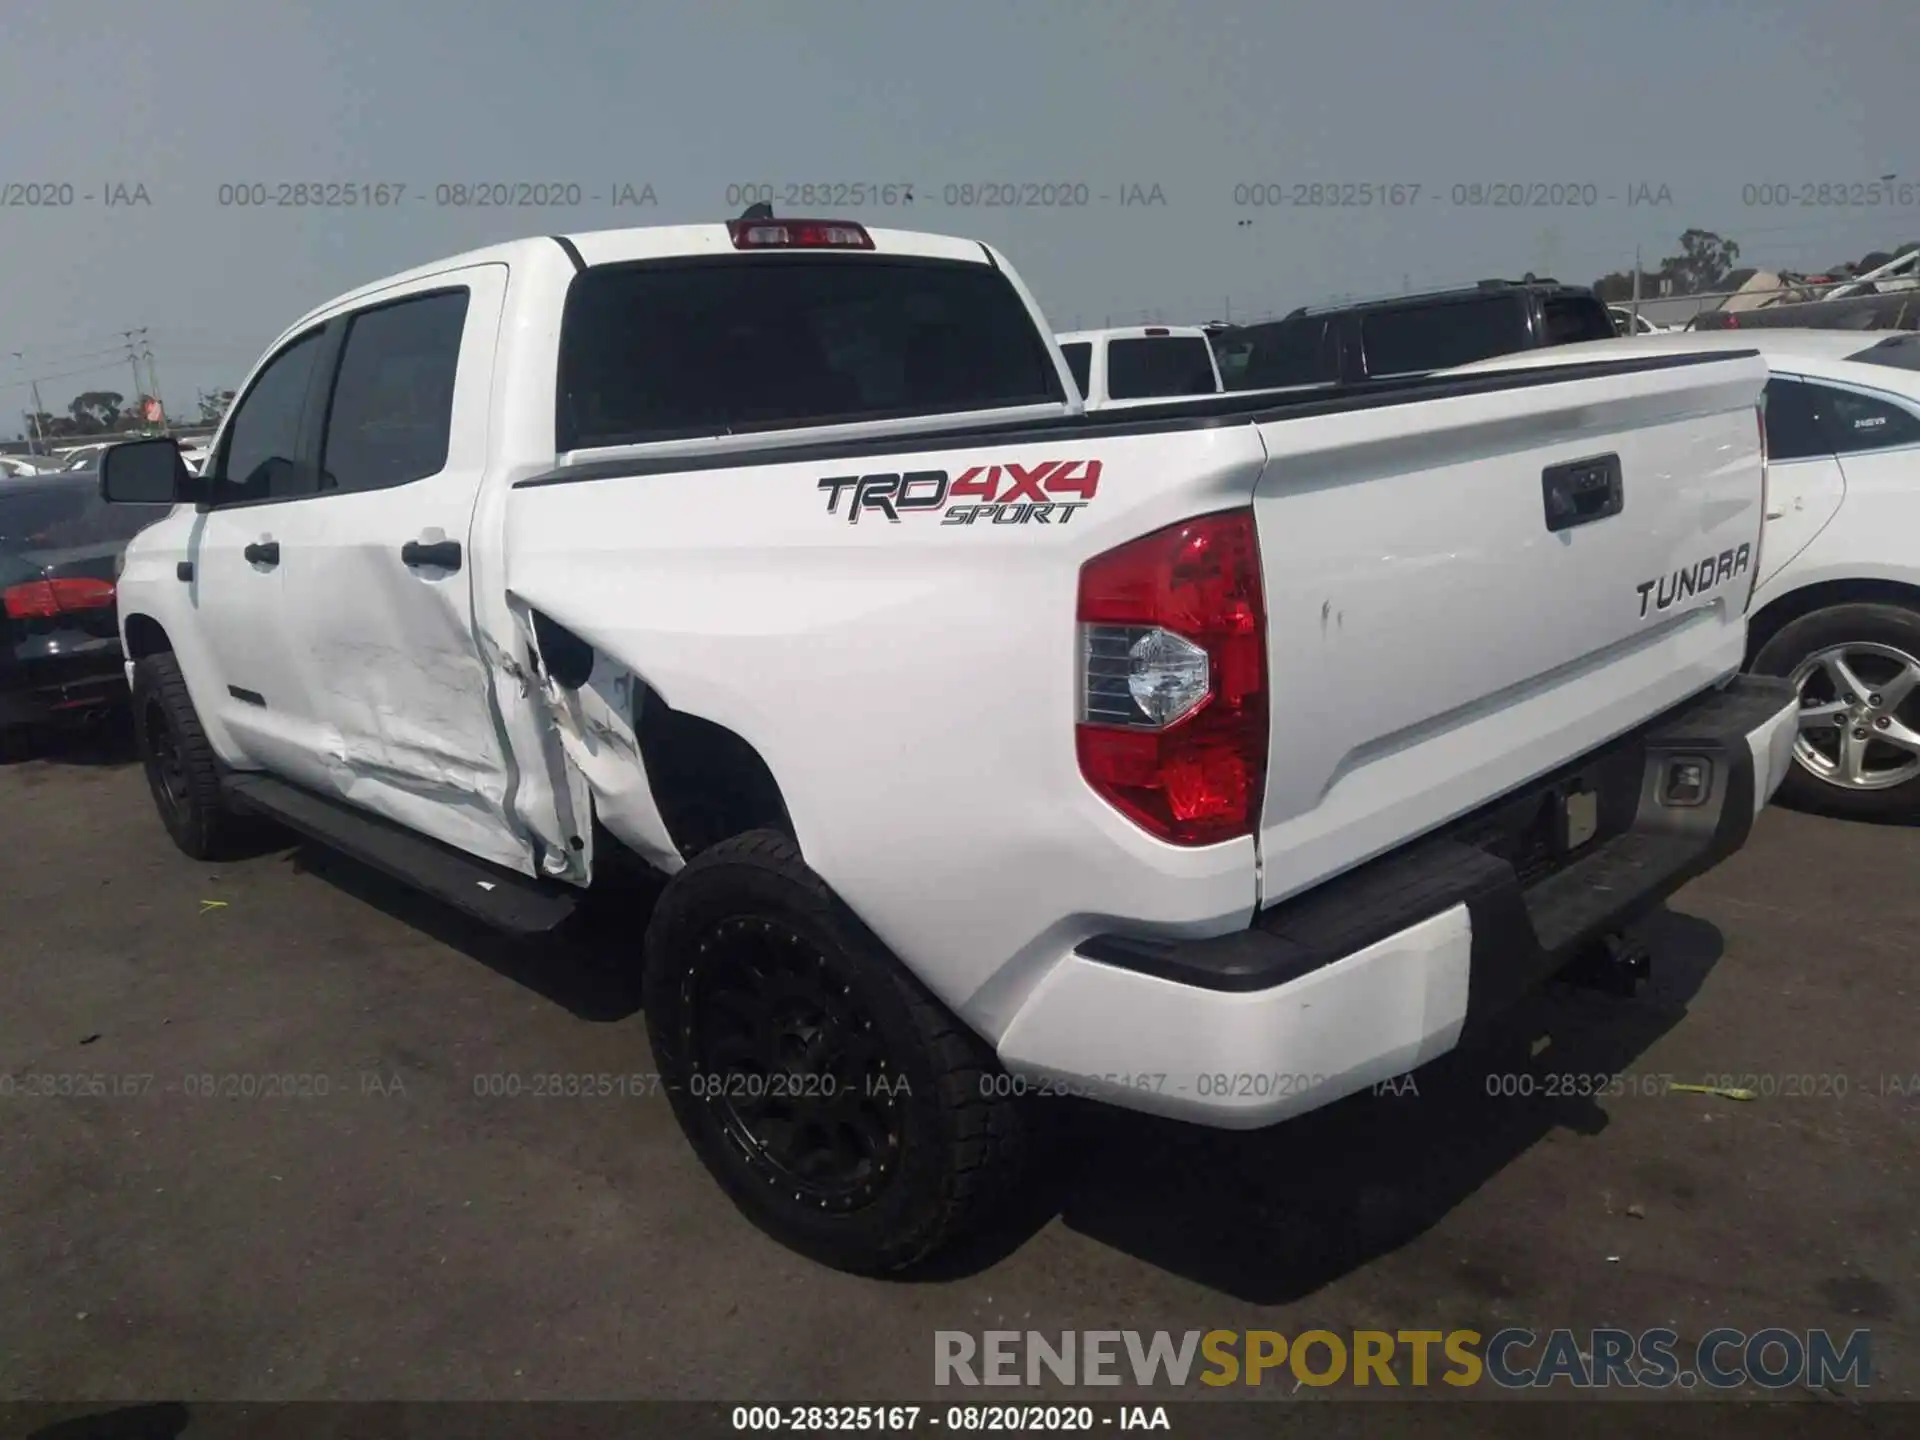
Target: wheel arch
pixel 144 636
pixel 709 782
pixel 1783 610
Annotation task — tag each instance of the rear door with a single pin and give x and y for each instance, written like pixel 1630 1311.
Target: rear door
pixel 1437 638
pixel 379 597
pixel 1805 483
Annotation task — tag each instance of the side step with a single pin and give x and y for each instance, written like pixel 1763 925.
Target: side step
pixel 506 899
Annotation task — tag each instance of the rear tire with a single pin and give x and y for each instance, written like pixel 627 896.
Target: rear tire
pixel 842 1108
pixel 182 770
pixel 1876 642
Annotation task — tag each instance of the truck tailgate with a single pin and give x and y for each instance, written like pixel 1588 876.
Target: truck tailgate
pixel 1435 642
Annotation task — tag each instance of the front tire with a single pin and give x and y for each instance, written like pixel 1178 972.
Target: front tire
pixel 842 1108
pixel 182 770
pixel 1857 668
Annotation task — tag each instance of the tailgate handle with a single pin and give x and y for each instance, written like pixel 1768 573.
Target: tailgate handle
pixel 1582 491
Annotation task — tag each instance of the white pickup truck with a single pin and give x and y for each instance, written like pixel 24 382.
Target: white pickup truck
pixel 1217 758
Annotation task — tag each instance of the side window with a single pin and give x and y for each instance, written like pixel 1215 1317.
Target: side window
pixel 1793 422
pixel 391 415
pixel 1413 338
pixel 1856 422
pixel 1079 358
pixel 260 459
pixel 1291 352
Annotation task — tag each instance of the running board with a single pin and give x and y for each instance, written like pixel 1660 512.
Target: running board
pixel 505 899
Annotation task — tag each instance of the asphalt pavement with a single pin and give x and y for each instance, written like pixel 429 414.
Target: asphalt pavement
pixel 302 1150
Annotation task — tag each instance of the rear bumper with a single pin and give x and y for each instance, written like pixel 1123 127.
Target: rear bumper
pixel 41 688
pixel 1389 966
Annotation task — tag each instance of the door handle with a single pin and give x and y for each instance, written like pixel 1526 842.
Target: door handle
pixel 1582 491
pixel 440 554
pixel 267 552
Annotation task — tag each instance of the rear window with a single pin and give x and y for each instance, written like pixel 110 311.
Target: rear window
pixel 1437 337
pixel 1079 358
pixel 1569 319
pixel 1159 365
pixel 1902 352
pixel 67 517
pixel 1290 352
pixel 674 350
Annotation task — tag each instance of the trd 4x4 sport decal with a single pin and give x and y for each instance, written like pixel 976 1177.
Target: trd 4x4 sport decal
pixel 984 494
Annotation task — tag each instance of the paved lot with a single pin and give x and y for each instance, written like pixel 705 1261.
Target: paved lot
pixel 388 1232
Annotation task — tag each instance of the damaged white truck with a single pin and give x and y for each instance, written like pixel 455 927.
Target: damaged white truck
pixel 1217 758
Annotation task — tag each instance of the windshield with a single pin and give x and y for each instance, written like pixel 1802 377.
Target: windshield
pixel 681 349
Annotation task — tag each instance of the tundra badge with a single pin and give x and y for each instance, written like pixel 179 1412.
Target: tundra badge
pixel 1694 579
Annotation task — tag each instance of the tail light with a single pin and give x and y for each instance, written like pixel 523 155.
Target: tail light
pixel 1172 726
pixel 43 599
pixel 798 235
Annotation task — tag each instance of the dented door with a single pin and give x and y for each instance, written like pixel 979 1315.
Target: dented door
pixel 382 600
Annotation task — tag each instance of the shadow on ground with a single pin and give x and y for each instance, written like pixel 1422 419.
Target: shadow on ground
pixel 105 740
pixel 590 968
pixel 1267 1216
pixel 164 1421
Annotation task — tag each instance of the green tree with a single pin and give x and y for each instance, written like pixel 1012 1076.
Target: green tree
pixel 1703 262
pixel 96 411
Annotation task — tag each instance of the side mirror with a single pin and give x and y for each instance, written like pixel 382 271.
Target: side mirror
pixel 144 472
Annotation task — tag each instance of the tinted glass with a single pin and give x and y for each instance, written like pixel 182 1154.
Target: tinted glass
pixel 1436 337
pixel 1159 365
pixel 67 516
pixel 261 443
pixel 1290 352
pixel 1856 422
pixel 1079 358
pixel 1793 422
pixel 1900 351
pixel 660 351
pixel 392 409
pixel 1569 319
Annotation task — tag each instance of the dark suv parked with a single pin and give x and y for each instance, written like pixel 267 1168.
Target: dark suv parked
pixel 1409 334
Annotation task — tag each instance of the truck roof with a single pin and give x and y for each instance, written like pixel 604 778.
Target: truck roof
pixel 650 242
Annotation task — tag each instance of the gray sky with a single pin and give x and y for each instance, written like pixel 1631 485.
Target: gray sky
pixel 1196 97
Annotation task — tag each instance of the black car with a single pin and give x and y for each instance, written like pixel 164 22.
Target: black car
pixel 60 546
pixel 1409 334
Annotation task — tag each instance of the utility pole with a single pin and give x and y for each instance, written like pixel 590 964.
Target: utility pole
pixel 153 389
pixel 133 359
pixel 1636 289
